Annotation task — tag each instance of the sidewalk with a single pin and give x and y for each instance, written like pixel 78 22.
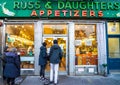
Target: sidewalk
pixel 77 80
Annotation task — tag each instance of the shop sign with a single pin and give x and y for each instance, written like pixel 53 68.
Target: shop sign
pixel 60 8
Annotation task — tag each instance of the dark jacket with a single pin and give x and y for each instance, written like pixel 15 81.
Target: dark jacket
pixel 43 56
pixel 55 54
pixel 12 65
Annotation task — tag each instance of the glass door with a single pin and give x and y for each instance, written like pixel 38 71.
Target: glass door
pixel 62 41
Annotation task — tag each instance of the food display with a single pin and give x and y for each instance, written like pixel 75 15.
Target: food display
pixel 27 64
pixel 21 36
pixel 85 45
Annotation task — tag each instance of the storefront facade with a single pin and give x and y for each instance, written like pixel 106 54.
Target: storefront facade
pixel 82 29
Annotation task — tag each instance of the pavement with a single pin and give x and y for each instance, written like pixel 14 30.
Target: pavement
pixel 75 80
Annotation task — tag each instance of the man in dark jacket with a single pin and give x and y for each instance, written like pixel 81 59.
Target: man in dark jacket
pixel 42 60
pixel 55 58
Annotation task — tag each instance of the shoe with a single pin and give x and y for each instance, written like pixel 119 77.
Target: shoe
pixel 41 78
pixel 46 83
pixel 55 83
pixel 45 80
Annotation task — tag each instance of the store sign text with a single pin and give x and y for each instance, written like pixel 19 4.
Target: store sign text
pixel 68 8
pixel 71 13
pixel 67 5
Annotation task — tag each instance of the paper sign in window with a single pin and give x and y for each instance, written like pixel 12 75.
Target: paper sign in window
pixel 78 42
pixel 81 69
pixel 90 70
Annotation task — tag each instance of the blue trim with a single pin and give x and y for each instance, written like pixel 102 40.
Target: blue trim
pixel 114 36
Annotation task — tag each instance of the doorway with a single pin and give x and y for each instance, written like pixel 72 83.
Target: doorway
pixel 62 42
pixel 58 31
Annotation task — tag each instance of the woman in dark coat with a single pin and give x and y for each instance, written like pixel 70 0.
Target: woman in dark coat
pixel 42 60
pixel 11 70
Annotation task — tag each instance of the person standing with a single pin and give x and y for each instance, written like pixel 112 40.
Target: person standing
pixel 55 58
pixel 43 60
pixel 11 70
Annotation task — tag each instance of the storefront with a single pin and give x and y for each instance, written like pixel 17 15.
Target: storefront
pixel 83 30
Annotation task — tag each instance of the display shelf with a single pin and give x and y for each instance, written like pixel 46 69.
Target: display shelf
pixel 27 69
pixel 27 58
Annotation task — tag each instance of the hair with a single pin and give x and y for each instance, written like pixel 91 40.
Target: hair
pixel 55 42
pixel 13 50
pixel 44 44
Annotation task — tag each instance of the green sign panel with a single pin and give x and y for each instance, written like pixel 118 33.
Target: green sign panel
pixel 60 8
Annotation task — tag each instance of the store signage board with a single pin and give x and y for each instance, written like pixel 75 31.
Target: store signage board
pixel 60 8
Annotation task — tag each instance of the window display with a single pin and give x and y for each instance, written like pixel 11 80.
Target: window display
pixel 85 45
pixel 21 36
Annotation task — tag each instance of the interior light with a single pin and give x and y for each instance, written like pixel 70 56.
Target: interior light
pixel 22 26
pixel 49 40
pixel 31 26
pixel 85 26
pixel 16 26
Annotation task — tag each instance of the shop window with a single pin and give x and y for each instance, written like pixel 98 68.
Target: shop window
pixel 114 48
pixel 113 28
pixel 85 44
pixel 55 29
pixel 114 36
pixel 21 36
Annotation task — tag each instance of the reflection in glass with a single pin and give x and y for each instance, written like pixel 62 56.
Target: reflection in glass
pixel 85 45
pixel 21 36
pixel 114 48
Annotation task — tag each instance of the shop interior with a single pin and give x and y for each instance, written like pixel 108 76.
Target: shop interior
pixel 86 52
pixel 62 44
pixel 21 36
